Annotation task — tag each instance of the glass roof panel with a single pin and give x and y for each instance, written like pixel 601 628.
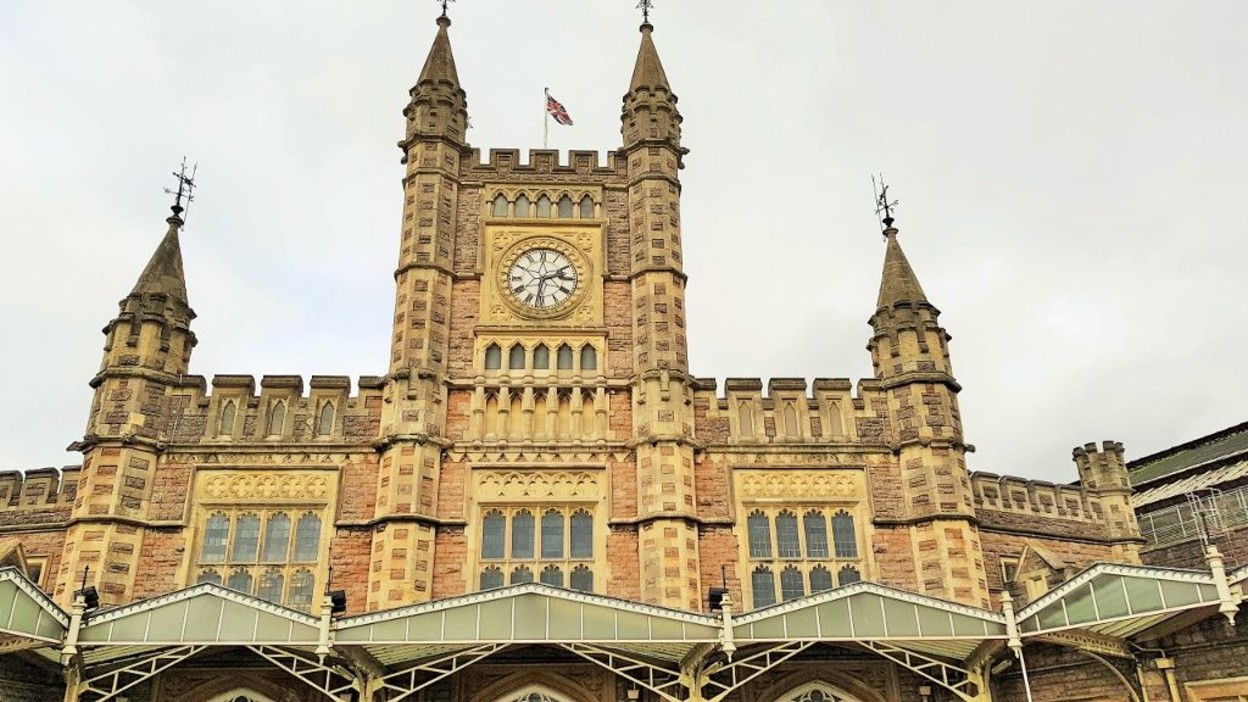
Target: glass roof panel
pixel 1179 594
pixel 169 618
pixel 801 624
pixel 633 626
pixel 425 627
pixel 769 628
pixel 133 628
pixel 935 622
pixel 565 620
pixel 238 622
pixel 902 618
pixel 666 630
pixel 272 627
pixel 834 619
pixel 1144 595
pixel 867 612
pixel 967 626
pixel 495 619
pixel 1111 598
pixel 599 623
pixel 530 614
pixel 461 624
pixel 203 613
pixel 1208 593
pixel 1052 616
pixel 1080 607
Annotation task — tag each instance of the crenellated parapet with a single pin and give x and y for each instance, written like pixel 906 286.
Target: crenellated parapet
pixel 541 164
pixel 278 409
pixel 791 411
pixel 39 496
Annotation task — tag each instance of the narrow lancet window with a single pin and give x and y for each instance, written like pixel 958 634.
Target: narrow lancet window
pixel 543 206
pixel 843 535
pixel 493 357
pixel 541 357
pixel 566 208
pixel 325 420
pixel 763 583
pixel 759 529
pixel 587 207
pixel 277 418
pixel 500 206
pixel 226 427
pixel 515 358
pixel 522 206
pixel 589 358
pixel 565 357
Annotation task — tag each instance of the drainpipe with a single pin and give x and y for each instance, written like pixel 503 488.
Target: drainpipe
pixel 1230 603
pixel 1013 640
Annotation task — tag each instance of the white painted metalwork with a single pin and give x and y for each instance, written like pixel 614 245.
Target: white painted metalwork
pixel 411 680
pixel 333 682
pixel 746 668
pixel 658 679
pixel 107 686
pixel 952 678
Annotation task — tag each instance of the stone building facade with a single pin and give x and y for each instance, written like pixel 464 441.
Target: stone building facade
pixel 539 423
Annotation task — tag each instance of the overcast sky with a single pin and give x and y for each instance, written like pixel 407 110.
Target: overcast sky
pixel 1071 178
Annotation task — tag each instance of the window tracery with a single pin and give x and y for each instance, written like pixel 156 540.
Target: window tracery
pixel 556 542
pixel 251 550
pixel 796 552
pixel 543 205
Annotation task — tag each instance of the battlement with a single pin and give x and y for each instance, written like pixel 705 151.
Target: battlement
pixel 508 162
pixel 39 496
pixel 1038 498
pixel 791 409
pixel 1103 468
pixel 286 408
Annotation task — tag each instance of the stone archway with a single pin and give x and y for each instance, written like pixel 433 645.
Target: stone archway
pixel 533 693
pixel 241 694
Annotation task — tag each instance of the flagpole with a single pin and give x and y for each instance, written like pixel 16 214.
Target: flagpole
pixel 546 120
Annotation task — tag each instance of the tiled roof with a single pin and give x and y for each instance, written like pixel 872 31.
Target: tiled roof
pixel 1220 445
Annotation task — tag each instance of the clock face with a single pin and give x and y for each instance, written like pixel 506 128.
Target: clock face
pixel 542 278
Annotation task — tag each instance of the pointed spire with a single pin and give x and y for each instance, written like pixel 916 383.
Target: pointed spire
pixel 163 274
pixel 898 283
pixel 440 64
pixel 649 69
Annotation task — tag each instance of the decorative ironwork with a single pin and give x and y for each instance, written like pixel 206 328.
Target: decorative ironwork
pixel 107 686
pixel 952 678
pixel 330 681
pixel 409 681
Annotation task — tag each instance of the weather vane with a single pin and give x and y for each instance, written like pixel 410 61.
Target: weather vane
pixel 645 6
pixel 883 206
pixel 186 184
pixel 444 3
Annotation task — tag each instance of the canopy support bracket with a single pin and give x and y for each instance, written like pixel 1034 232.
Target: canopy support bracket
pixel 746 668
pixel 657 679
pixel 406 683
pixel 315 674
pixel 954 679
pixel 107 686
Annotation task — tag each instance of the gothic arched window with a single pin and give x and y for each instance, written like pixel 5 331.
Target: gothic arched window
pixel 543 206
pixel 763 583
pixel 277 538
pixel 216 535
pixel 848 574
pixel 500 205
pixel 582 579
pixel 565 357
pixel 787 545
pixel 541 357
pixel 522 535
pixel 307 538
pixel 493 532
pixel 522 206
pixel 246 539
pixel 587 207
pixel 791 585
pixel 844 539
pixel 493 357
pixel 816 534
pixel 271 585
pixel 239 580
pixel 759 531
pixel 745 419
pixel 521 574
pixel 589 357
pixel 582 534
pixel 515 357
pixel 552 575
pixel 302 587
pixel 566 208
pixel 209 576
pixel 552 534
pixel 790 421
pixel 820 579
pixel 491 578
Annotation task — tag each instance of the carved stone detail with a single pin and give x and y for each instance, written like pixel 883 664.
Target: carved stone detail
pixel 266 486
pixel 513 485
pixel 801 485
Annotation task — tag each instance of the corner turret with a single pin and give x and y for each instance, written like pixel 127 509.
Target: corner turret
pixel 1103 470
pixel 438 106
pixel 909 342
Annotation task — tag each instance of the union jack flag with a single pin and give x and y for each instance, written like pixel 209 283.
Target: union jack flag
pixel 557 110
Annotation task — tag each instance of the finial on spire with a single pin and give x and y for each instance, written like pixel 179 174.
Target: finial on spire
pixel 444 3
pixel 645 6
pixel 882 204
pixel 186 184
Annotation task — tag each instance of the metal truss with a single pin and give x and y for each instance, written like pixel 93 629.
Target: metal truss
pixel 952 678
pixel 746 668
pixel 107 686
pixel 330 681
pixel 411 680
pixel 664 682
